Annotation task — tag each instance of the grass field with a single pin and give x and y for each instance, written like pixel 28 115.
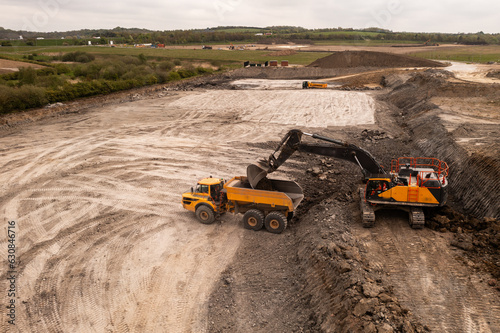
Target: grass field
pixel 366 42
pixel 478 54
pixel 223 56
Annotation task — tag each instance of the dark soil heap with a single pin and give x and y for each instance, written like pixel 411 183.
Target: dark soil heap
pixel 350 59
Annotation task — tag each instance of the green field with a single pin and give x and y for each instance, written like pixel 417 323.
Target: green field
pixel 81 71
pixel 477 54
pixel 196 54
pixel 365 42
pixel 94 70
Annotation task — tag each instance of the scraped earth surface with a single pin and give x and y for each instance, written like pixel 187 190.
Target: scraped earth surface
pixel 104 244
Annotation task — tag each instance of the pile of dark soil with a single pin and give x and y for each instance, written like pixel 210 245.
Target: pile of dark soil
pixel 349 59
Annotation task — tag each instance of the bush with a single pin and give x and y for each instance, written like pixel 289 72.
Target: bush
pixel 88 71
pixel 177 62
pixel 21 98
pixel 62 69
pixel 78 56
pixel 166 65
pixel 202 70
pixel 186 72
pixel 151 79
pixel 27 75
pixel 11 76
pixel 52 81
pixel 111 72
pixel 46 71
pixel 129 60
pixel 173 76
pixel 142 58
pixel 161 76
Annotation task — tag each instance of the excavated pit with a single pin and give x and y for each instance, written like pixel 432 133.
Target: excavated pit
pixel 325 273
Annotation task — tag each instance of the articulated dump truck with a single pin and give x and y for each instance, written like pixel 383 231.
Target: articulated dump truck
pixel 272 206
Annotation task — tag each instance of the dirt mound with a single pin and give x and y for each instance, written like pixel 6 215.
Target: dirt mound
pixel 281 53
pixel 349 59
pixel 495 74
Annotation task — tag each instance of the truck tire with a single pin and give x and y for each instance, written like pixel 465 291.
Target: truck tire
pixel 253 219
pixel 205 214
pixel 275 222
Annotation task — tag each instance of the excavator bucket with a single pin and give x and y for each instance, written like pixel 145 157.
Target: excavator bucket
pixel 259 170
pixel 256 172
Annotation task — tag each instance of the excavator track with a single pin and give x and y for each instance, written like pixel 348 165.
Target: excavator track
pixel 417 218
pixel 367 211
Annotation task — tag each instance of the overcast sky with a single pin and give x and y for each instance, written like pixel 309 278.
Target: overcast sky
pixel 397 15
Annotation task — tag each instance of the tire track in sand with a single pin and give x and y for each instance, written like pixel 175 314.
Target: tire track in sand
pixel 427 278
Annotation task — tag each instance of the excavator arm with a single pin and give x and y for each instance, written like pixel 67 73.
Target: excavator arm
pixel 292 142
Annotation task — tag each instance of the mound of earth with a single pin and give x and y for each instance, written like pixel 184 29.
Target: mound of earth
pixel 349 59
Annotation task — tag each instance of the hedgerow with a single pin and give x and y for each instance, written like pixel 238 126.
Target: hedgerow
pixel 29 88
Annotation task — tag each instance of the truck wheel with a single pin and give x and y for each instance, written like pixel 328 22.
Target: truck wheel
pixel 205 214
pixel 275 222
pixel 253 219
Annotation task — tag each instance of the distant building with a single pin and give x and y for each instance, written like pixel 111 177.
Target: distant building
pixel 21 37
pixel 39 38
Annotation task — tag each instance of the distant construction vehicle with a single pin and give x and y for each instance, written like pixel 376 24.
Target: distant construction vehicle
pixel 272 207
pixel 310 84
pixel 411 185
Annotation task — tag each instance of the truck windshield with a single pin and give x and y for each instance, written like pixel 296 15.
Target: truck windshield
pixel 202 188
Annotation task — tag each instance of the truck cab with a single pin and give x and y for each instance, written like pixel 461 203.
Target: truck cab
pixel 206 199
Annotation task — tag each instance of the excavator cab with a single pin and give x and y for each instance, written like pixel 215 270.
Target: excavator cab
pixel 376 186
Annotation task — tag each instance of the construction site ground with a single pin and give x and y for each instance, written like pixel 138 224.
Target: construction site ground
pixel 104 244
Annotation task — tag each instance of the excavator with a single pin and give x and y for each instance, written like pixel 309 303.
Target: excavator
pixel 411 184
pixel 310 84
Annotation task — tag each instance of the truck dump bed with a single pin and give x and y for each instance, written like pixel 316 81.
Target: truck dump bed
pixel 285 193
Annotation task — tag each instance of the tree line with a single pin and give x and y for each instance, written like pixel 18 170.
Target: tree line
pixel 248 35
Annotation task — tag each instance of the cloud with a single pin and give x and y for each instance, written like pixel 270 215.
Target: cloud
pixel 396 15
